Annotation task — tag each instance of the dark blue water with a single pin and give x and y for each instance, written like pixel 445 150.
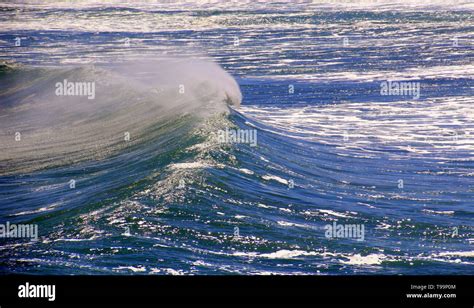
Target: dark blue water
pixel 330 147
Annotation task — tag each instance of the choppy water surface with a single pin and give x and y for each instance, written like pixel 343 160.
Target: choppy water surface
pixel 173 200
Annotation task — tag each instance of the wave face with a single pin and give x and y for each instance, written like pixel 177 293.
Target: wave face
pixel 137 180
pixel 127 102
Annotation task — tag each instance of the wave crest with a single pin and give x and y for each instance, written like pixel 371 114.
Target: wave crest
pixel 133 102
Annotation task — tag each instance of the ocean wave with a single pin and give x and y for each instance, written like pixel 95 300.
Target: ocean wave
pixel 133 178
pixel 133 104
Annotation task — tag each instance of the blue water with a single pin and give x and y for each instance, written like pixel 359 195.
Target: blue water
pixel 173 200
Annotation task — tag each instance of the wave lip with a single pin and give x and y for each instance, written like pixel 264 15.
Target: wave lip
pixel 42 128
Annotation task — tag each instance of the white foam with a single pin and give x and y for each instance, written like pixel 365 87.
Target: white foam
pixel 357 259
pixel 246 171
pixel 193 165
pixel 333 213
pixel 134 269
pixel 287 254
pixel 269 177
pixel 469 254
pixel 438 212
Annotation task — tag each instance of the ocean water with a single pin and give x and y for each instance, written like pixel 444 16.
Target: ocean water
pixel 137 179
